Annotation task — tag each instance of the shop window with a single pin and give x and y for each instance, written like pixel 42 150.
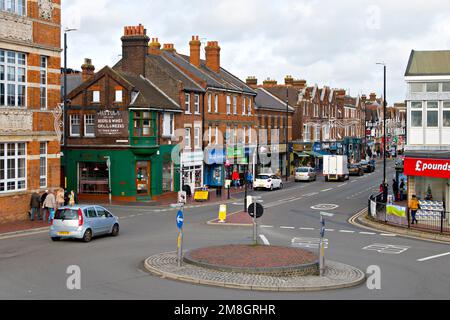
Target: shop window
pixel 144 124
pixel 93 178
pixel 446 115
pixel 416 114
pixel 167 178
pixel 432 114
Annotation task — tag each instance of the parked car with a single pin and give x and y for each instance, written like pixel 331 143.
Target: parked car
pixel 83 222
pixel 367 166
pixel 266 181
pixel 305 174
pixel 355 169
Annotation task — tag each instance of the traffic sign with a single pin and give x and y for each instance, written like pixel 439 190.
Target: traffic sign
pixel 259 210
pixel 180 219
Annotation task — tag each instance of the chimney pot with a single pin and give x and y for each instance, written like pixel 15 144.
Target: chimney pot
pixel 213 56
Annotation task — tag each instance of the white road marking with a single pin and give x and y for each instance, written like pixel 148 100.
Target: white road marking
pixel 346 231
pixel 388 235
pixel 132 216
pixel 310 194
pixel 266 226
pixel 368 233
pixel 434 257
pixel 327 190
pixel 341 185
pixel 282 227
pixel 387 248
pixel 264 239
pixel 329 230
pixel 307 229
pixel 308 242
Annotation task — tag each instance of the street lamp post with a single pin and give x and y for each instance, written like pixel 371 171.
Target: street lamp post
pixel 384 123
pixel 65 106
pixel 286 135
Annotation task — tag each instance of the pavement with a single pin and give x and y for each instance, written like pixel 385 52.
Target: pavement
pixel 34 267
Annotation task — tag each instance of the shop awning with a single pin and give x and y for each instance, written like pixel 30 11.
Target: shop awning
pixel 319 154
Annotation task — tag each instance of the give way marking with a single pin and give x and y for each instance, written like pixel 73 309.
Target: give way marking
pixel 386 248
pixel 308 242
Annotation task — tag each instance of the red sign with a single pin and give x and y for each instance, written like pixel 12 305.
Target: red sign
pixel 436 168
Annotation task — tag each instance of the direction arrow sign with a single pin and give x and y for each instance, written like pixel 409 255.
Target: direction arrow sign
pixel 326 214
pixel 180 219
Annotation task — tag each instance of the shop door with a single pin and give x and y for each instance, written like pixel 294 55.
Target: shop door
pixel 143 178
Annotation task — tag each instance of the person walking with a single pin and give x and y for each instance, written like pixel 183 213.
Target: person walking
pixel 43 208
pixel 51 205
pixel 235 178
pixel 35 205
pixel 402 190
pixel 72 198
pixel 249 180
pixel 60 198
pixel 414 206
pixel 395 189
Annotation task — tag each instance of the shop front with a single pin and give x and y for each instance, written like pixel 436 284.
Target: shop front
pixel 237 159
pixel 215 159
pixel 191 164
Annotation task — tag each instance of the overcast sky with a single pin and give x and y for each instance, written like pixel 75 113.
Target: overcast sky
pixel 328 42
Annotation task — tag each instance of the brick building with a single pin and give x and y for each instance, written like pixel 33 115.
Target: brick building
pixel 29 92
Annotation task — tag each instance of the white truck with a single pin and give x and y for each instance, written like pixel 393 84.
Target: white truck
pixel 335 168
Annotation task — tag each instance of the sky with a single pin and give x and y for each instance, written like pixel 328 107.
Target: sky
pixel 326 42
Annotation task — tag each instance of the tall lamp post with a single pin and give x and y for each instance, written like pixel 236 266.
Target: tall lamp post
pixel 288 158
pixel 65 106
pixel 384 121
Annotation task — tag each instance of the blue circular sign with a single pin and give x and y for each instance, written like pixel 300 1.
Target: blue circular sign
pixel 180 219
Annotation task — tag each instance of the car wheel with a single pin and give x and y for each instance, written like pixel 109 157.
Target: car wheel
pixel 326 179
pixel 115 230
pixel 87 237
pixel 56 238
pixel 281 186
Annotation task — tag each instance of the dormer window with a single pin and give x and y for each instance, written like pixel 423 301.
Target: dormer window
pixel 95 96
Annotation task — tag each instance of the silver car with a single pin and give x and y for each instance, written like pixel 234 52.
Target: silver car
pixel 305 174
pixel 83 222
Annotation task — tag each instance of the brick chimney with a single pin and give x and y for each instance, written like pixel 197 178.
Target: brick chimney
pixel 134 49
pixel 373 96
pixel 289 81
pixel 363 98
pixel 299 84
pixel 169 47
pixel 213 56
pixel 252 81
pixel 154 47
pixel 87 70
pixel 270 82
pixel 195 45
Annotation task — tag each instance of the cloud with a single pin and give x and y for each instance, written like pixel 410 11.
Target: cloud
pixel 335 43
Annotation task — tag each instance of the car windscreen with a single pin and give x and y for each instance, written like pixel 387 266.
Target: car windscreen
pixel 263 177
pixel 302 170
pixel 66 214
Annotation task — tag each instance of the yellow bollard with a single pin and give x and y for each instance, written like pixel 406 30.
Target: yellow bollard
pixel 223 213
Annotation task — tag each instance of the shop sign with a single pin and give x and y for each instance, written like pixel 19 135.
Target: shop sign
pixel 201 195
pixel 111 123
pixel 317 147
pixel 193 158
pixel 235 152
pixel 215 156
pixel 436 168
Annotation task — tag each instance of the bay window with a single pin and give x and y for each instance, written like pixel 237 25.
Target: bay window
pixel 432 114
pixel 144 124
pixel 416 114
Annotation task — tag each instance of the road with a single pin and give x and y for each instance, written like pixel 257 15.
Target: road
pixel 33 267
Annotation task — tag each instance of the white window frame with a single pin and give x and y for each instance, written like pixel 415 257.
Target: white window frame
pixel 436 110
pixel 43 84
pixel 20 7
pixel 234 105
pixel 445 108
pixel 118 96
pixel 209 103
pixel 317 133
pixel 43 164
pixel 228 104
pixel 187 138
pixel 71 118
pixel 209 135
pixel 95 96
pixel 197 104
pixel 216 137
pixel 243 106
pixel 168 124
pixel 91 117
pixel 197 138
pixel 16 157
pixel 20 62
pixel 187 103
pixel 216 103
pixel 250 106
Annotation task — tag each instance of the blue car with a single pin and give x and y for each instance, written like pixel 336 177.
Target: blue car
pixel 83 222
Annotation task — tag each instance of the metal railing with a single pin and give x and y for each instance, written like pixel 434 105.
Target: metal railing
pixel 427 220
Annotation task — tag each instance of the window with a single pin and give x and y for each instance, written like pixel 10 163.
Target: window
pixel 216 136
pixel 432 87
pixel 317 134
pixel 43 82
pixel 187 138
pixel 197 104
pixel 209 103
pixel 241 136
pixel 187 103
pixel 216 103
pixel 446 115
pixel 43 164
pixel 417 87
pixel 96 96
pixel 249 106
pixel 243 106
pixel 12 79
pixel 446 87
pixel 167 178
pixel 416 114
pixel 168 125
pixel 12 167
pixel 234 105
pixel 119 96
pixel 89 125
pixel 75 125
pixel 197 138
pixel 228 105
pixel 432 114
pixel 13 6
pixel 144 124
pixel 209 135
pixel 316 110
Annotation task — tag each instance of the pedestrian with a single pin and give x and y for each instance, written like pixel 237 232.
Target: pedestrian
pixel 72 198
pixel 250 180
pixel 414 206
pixel 35 205
pixel 51 205
pixel 60 198
pixel 235 178
pixel 44 209
pixel 402 189
pixel 395 189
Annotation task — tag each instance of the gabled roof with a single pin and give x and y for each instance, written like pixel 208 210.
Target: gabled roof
pixel 428 63
pixel 267 101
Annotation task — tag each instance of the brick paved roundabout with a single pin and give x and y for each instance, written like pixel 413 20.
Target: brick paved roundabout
pixel 293 271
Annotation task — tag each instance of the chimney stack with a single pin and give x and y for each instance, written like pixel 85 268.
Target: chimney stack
pixel 169 47
pixel 373 96
pixel 134 49
pixel 87 70
pixel 154 47
pixel 269 82
pixel 289 81
pixel 299 84
pixel 213 56
pixel 363 98
pixel 195 45
pixel 252 81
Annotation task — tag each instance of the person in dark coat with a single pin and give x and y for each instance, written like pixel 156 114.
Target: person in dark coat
pixel 395 189
pixel 35 205
pixel 43 209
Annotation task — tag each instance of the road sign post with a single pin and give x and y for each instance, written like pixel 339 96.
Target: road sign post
pixel 322 243
pixel 180 223
pixel 256 211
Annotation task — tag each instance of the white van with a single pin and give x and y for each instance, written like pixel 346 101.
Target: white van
pixel 335 168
